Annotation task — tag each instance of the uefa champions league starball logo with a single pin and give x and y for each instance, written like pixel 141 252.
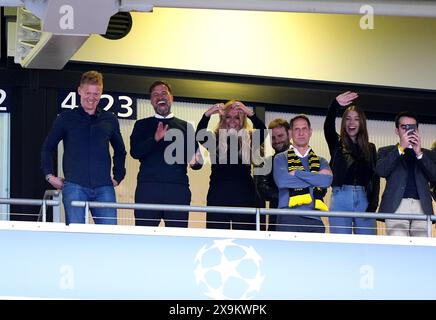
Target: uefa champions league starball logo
pixel 227 270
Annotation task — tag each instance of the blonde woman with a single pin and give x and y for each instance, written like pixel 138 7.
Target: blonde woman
pixel 231 183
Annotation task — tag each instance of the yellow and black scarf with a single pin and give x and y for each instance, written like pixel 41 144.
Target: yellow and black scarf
pixel 299 196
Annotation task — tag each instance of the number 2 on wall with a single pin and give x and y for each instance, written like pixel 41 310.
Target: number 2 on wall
pixel 2 99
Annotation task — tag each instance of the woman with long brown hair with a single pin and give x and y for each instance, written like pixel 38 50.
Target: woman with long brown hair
pixel 353 158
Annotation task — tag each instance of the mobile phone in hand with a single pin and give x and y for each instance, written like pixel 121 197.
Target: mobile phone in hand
pixel 410 128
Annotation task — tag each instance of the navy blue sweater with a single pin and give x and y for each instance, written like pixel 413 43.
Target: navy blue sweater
pixel 151 154
pixel 86 138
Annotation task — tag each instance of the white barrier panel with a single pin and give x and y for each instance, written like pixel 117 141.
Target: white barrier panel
pixel 5 120
pixel 121 262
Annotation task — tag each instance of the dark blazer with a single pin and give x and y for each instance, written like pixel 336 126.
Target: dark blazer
pixel 392 166
pixel 266 187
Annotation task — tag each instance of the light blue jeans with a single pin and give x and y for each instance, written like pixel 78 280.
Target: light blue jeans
pixel 353 199
pixel 72 191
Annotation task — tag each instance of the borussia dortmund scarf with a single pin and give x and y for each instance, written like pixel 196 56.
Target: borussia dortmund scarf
pixel 299 196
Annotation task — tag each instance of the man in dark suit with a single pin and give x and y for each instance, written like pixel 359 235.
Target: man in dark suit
pixel 265 185
pixel 162 177
pixel 408 170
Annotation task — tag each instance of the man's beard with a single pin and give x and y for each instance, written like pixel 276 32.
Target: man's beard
pixel 282 148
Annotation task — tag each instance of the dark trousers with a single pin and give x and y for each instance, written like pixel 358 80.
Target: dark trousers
pixel 231 194
pixel 272 222
pixel 239 221
pixel 162 193
pixel 299 224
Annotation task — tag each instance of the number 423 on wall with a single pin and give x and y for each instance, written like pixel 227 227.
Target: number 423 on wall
pixel 123 106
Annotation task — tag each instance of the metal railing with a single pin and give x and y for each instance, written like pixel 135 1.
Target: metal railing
pixel 166 207
pixel 214 209
pixel 257 211
pixel 33 202
pixel 52 195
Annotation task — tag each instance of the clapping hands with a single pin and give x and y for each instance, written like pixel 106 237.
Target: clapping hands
pixel 160 131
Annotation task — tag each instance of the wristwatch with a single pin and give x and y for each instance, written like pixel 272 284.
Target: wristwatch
pixel 48 176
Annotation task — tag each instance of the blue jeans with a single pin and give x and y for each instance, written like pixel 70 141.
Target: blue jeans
pixel 350 199
pixel 72 191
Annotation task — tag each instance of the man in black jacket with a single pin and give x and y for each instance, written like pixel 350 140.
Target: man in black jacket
pixel 408 170
pixel 163 179
pixel 266 187
pixel 86 132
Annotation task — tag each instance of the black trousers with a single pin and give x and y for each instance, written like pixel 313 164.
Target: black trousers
pixel 162 193
pixel 231 194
